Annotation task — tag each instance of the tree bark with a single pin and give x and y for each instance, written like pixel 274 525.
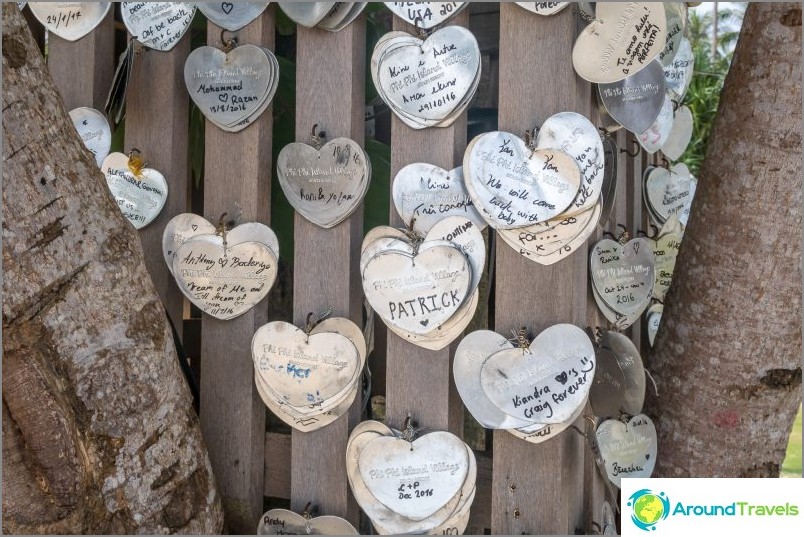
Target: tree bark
pixel 99 433
pixel 727 360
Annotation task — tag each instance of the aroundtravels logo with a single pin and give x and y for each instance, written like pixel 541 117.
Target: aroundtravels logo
pixel 648 508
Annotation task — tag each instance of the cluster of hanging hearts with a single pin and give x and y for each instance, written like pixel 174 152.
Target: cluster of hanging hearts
pixel 409 485
pixel 324 183
pixel 534 389
pixel 424 286
pixel 427 81
pixel 284 522
pixel 642 63
pixel 626 438
pixel 543 194
pixel 309 377
pixel 224 272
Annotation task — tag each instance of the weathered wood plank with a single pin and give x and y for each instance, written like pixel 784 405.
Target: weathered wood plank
pixel 237 179
pixel 157 112
pixel 83 69
pixel 330 87
pixel 277 465
pixel 410 370
pixel 539 81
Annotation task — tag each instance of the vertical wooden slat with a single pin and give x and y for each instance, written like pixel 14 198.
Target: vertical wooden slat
pixel 420 380
pixel 83 69
pixel 157 116
pixel 535 487
pixel 237 178
pixel 330 88
pixel 634 221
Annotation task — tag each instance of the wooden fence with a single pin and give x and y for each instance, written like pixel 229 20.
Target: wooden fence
pixel 522 488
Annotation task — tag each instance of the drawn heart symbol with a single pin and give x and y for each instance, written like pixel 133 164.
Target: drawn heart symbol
pixel 228 100
pixel 140 197
pixel 441 466
pixel 623 275
pixel 304 371
pixel 70 20
pixel 232 16
pixel 655 137
pixel 623 38
pixel 404 75
pixel 527 383
pixel 157 25
pixel 405 288
pixel 625 446
pixel 284 522
pixel 224 280
pixel 516 186
pixel 324 185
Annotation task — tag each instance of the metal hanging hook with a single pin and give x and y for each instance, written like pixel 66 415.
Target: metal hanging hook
pixel 228 44
pixel 636 152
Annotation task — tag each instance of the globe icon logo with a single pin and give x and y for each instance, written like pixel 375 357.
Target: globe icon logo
pixel 648 508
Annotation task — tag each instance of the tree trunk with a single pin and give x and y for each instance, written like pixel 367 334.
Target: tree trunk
pixel 727 360
pixel 99 433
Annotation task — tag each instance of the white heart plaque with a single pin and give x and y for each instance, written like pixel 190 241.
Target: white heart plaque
pixel 418 292
pixel 654 138
pixel 424 194
pixel 545 383
pixel 670 192
pixel 324 185
pixel 229 87
pixel 680 134
pixel 575 135
pixel 425 15
pixel 516 186
pixel 678 73
pixel 284 522
pixel 304 371
pixel 624 38
pixel 549 242
pixel 543 8
pixel 70 20
pixel 472 352
pixel 157 25
pixel 306 14
pixel 628 449
pixel 224 280
pixel 414 479
pixel 141 196
pixel 94 131
pixel 428 80
pixel 623 275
